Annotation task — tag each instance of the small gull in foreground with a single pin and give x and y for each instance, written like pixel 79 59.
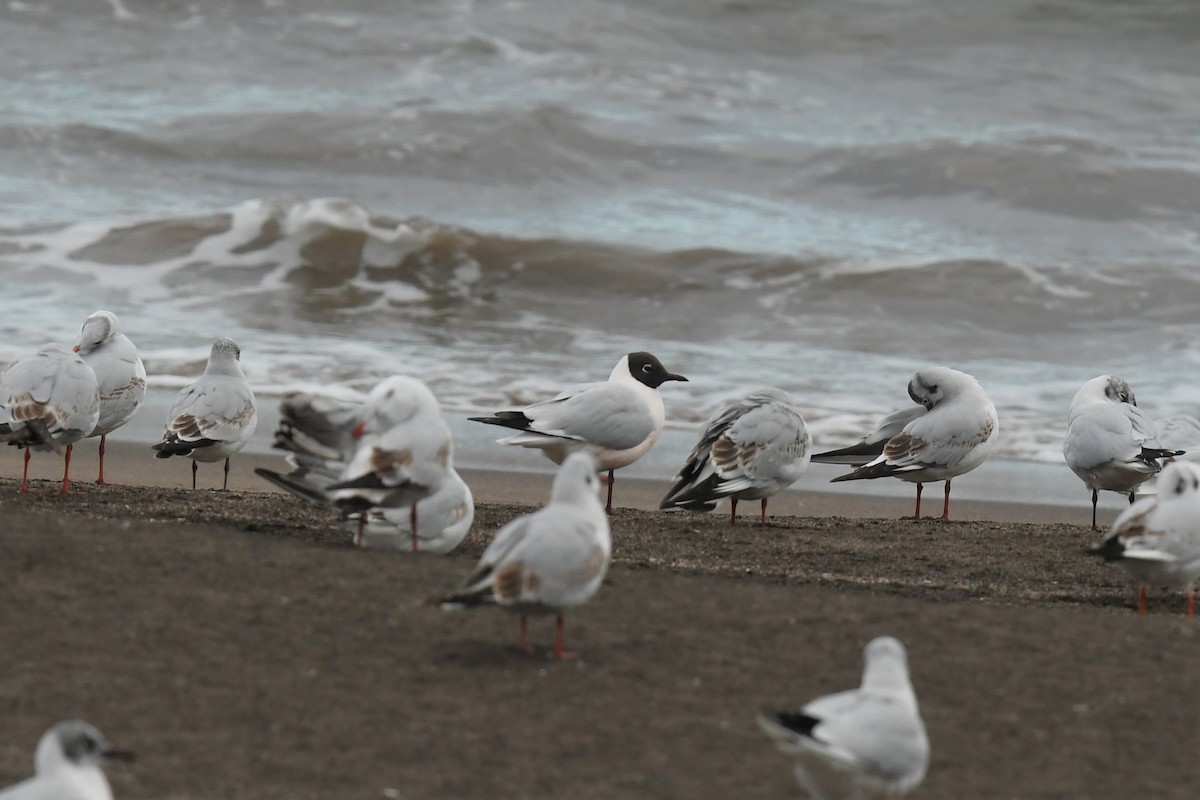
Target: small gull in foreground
pixel 750 449
pixel 868 742
pixel 1157 539
pixel 549 561
pixel 953 432
pixel 47 400
pixel 67 766
pixel 214 417
pixel 119 371
pixel 1111 444
pixel 318 430
pixel 617 421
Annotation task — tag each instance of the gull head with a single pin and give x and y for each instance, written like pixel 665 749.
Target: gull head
pixel 885 665
pixel 74 743
pixel 576 478
pixel 225 350
pixel 1178 480
pixel 393 401
pixel 932 385
pixel 646 368
pixel 1117 390
pixel 97 329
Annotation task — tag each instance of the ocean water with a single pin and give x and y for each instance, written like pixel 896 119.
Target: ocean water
pixel 503 198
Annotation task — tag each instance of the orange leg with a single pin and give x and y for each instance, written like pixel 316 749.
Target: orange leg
pixel 1142 600
pixel 25 474
pixel 946 503
pixel 559 652
pixel 917 513
pixel 1191 603
pixel 100 480
pixel 66 484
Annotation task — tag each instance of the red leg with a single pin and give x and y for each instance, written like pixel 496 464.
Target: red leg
pixel 66 484
pixel 559 652
pixel 100 480
pixel 733 511
pixel 1191 603
pixel 25 474
pixel 946 503
pixel 1142 600
pixel 917 513
pixel 763 519
pixel 523 640
pixel 412 517
pixel 362 523
pixel 608 506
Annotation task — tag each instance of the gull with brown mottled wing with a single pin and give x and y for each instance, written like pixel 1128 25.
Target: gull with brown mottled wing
pixel 549 561
pixel 119 371
pixel 215 416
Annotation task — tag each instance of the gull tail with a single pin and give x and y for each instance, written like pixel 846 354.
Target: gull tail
pixel 506 419
pixel 868 472
pixel 855 455
pixel 298 487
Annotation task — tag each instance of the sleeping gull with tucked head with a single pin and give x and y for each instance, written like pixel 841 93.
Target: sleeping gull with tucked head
pixel 119 371
pixel 951 432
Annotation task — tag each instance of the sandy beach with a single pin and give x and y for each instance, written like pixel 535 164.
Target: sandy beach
pixel 241 645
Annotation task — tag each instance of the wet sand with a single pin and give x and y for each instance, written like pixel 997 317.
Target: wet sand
pixel 244 649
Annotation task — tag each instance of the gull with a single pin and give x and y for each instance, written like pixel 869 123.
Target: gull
pixel 750 449
pixel 67 766
pixel 1180 433
pixel 317 428
pixel 549 561
pixel 1157 539
pixel 214 417
pixel 403 453
pixel 951 432
pixel 617 421
pixel 47 400
pixel 867 742
pixel 446 517
pixel 1111 444
pixel 119 371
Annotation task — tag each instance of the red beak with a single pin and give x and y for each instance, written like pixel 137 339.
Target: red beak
pixel 358 430
pixel 75 349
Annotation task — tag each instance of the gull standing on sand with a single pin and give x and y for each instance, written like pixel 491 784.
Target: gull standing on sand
pixel 1111 444
pixel 67 766
pixel 1157 539
pixel 47 400
pixel 119 371
pixel 549 561
pixel 396 450
pixel 952 431
pixel 750 449
pixel 868 742
pixel 617 421
pixel 214 417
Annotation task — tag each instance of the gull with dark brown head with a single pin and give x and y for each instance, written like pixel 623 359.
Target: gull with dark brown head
pixel 750 449
pixel 1111 444
pixel 119 372
pixel 47 400
pixel 617 421
pixel 215 416
pixel 952 433
pixel 549 561
pixel 868 742
pixel 67 765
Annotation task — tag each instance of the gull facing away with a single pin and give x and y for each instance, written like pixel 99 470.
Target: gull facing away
pixel 617 421
pixel 119 371
pixel 867 742
pixel 1157 539
pixel 1111 444
pixel 549 561
pixel 952 432
pixel 47 400
pixel 750 449
pixel 214 417
pixel 325 431
pixel 67 766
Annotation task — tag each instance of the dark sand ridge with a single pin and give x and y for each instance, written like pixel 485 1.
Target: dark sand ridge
pixel 240 644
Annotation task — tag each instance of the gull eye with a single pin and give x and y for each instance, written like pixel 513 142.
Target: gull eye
pixel 646 368
pixel 1180 486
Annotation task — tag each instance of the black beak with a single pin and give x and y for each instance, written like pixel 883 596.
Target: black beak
pixel 673 377
pixel 128 756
